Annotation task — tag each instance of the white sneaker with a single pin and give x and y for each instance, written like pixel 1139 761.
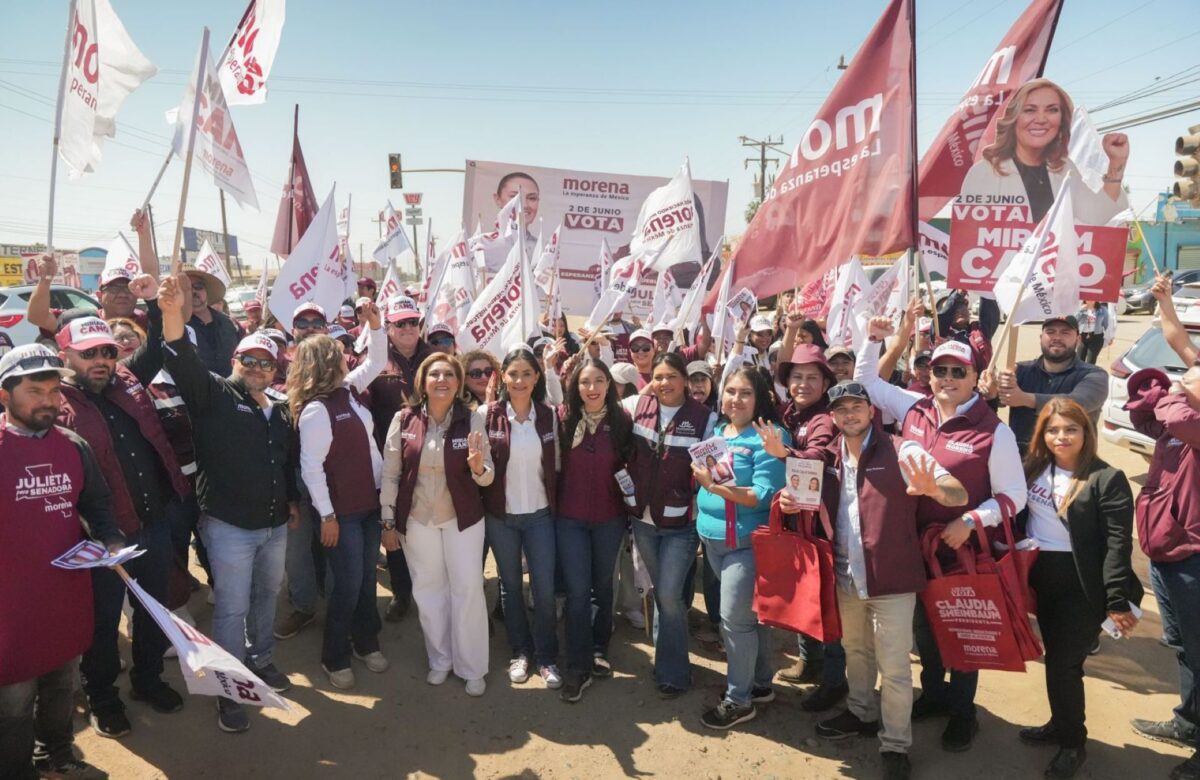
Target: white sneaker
pixel 375 661
pixel 636 619
pixel 518 669
pixel 438 676
pixel 476 687
pixel 342 678
pixel 551 676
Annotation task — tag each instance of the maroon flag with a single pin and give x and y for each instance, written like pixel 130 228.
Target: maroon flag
pixel 298 205
pixel 848 187
pixel 1019 57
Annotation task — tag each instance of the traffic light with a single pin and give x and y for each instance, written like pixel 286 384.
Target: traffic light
pixel 1187 170
pixel 395 172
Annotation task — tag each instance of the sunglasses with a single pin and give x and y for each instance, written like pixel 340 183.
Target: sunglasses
pixel 958 372
pixel 851 389
pixel 442 342
pixel 642 348
pixel 309 324
pixel 249 361
pixel 198 286
pixel 48 362
pixel 481 373
pixel 405 324
pixel 108 352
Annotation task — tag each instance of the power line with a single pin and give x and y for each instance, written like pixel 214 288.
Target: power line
pixel 1174 81
pixel 1144 119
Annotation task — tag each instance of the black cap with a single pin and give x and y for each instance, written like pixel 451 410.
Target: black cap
pixel 847 389
pixel 1068 320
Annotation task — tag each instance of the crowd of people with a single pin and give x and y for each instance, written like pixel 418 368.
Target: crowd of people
pixel 290 459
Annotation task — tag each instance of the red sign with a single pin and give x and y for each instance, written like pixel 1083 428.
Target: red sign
pixel 984 238
pixel 412 198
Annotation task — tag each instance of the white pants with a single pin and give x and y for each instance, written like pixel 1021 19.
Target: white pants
pixel 447 586
pixel 877 634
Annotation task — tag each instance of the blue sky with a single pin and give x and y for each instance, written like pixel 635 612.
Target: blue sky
pixel 618 86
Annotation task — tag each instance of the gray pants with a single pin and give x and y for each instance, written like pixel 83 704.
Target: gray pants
pixel 36 718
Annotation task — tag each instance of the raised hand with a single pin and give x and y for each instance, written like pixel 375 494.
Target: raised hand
pixel 493 384
pixel 475 445
pixel 139 222
pixel 371 312
pixel 144 286
pixel 47 267
pixel 879 328
pixel 772 438
pixel 920 475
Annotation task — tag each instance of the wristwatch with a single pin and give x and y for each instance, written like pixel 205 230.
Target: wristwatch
pixel 328 519
pixel 388 525
pixel 969 522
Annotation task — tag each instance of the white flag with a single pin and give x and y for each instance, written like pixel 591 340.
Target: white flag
pixel 842 326
pixel 720 326
pixel 935 249
pixel 1045 272
pixel 260 295
pixel 395 240
pixel 312 271
pixel 210 262
pixel 689 310
pixel 888 297
pixel 453 291
pixel 623 280
pixel 1087 150
pixel 600 284
pixel 343 229
pixel 669 214
pixel 217 149
pixel 207 668
pixel 667 298
pixel 493 247
pixel 102 68
pixel 545 269
pixel 505 314
pixel 122 255
pixel 251 52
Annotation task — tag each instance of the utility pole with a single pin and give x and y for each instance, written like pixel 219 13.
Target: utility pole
pixel 762 160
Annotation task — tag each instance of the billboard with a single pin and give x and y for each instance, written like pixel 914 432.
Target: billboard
pixel 590 206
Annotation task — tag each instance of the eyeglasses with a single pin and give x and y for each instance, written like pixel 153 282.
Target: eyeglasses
pixel 249 361
pixel 445 342
pixel 128 338
pixel 309 324
pixel 48 362
pixel 108 352
pixel 958 372
pixel 405 324
pixel 642 348
pixel 198 286
pixel 481 373
pixel 851 389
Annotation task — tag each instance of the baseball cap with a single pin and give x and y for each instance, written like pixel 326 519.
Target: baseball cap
pixel 836 350
pixel 366 281
pixel 1069 320
pixel 215 287
pixel 925 354
pixel 110 275
pixel 260 342
pixel 338 332
pixel 346 312
pixel 699 367
pixel 361 302
pixel 662 327
pixel 401 308
pixel 32 359
pixel 956 351
pixel 640 333
pixel 440 329
pixel 252 305
pixel 760 322
pixel 847 389
pixel 308 307
pixel 541 343
pixel 274 334
pixel 625 373
pixel 84 333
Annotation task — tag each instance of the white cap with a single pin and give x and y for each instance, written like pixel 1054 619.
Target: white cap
pixel 258 341
pixel 346 312
pixel 85 333
pixel 956 351
pixel 626 373
pixel 760 322
pixel 641 333
pixel 110 275
pixel 32 359
pixel 311 307
pixel 402 307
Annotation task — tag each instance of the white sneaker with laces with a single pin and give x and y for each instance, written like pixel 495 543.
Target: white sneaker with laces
pixel 375 661
pixel 518 670
pixel 551 676
pixel 437 676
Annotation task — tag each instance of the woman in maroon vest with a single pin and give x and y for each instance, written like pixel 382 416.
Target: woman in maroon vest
pixel 520 504
pixel 666 421
pixel 341 467
pixel 434 460
pixel 592 519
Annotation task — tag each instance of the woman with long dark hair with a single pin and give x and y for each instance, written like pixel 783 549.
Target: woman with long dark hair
pixel 1080 512
pixel 597 435
pixel 521 503
pixel 666 421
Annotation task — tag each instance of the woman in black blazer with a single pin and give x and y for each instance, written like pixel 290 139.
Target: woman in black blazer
pixel 1080 512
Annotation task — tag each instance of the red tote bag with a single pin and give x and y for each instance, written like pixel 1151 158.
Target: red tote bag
pixel 795 587
pixel 968 612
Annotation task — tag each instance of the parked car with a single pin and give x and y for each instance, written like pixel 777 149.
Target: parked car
pixel 1138 297
pixel 14 309
pixel 1151 349
pixel 1186 297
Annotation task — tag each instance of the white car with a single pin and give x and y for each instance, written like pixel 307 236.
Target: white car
pixel 1187 299
pixel 14 309
pixel 1150 350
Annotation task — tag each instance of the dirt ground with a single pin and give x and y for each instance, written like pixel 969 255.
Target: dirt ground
pixel 395 725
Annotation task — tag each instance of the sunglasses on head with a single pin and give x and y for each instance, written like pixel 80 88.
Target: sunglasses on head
pixel 309 324
pixel 48 362
pixel 641 348
pixel 852 389
pixel 480 373
pixel 249 361
pixel 108 352
pixel 958 372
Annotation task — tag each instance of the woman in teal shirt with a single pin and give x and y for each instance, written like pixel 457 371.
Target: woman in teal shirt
pixel 726 516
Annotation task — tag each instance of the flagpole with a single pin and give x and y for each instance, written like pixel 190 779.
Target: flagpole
pixel 225 238
pixel 176 261
pixel 161 170
pixel 58 112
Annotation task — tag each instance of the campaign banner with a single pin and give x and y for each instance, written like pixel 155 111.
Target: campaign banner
pixel 592 207
pixel 983 241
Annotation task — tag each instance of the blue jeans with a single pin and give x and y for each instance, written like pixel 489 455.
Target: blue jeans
pixel 747 642
pixel 1177 588
pixel 831 655
pixel 668 553
pixel 300 565
pixel 712 591
pixel 36 718
pixel 350 609
pixel 959 694
pixel 588 554
pixel 532 533
pixel 248 573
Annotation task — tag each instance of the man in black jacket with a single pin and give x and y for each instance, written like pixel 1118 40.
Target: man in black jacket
pixel 216 334
pixel 246 457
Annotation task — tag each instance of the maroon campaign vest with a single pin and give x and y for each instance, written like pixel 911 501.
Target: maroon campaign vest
pixel 499 432
pixel 391 390
pixel 662 472
pixel 962 446
pixel 464 493
pixel 176 423
pixel 811 427
pixel 81 415
pixel 587 487
pixel 887 515
pixel 45 612
pixel 349 473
